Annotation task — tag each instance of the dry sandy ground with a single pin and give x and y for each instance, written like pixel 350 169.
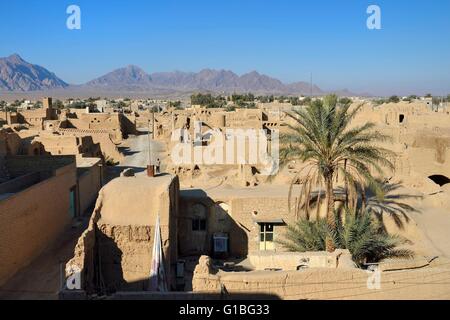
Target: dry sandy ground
pixel 136 155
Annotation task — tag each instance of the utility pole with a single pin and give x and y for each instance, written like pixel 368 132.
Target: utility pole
pixel 311 86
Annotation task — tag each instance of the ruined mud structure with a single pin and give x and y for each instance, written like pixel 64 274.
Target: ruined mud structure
pixel 115 252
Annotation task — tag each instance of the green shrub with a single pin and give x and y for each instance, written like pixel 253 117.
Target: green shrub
pixel 357 231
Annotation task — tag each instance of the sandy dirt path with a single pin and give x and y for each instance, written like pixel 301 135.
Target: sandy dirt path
pixel 137 151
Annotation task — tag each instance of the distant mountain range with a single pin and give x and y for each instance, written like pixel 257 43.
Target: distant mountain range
pixel 17 75
pixel 134 78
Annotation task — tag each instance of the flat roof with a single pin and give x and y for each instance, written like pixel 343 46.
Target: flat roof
pixel 229 192
pixel 87 162
pixel 135 201
pixel 5 196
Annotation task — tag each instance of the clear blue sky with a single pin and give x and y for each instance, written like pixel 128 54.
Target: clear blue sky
pixel 281 38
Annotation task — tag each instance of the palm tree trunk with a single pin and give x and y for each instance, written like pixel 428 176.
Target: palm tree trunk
pixel 330 246
pixel 346 184
pixel 363 199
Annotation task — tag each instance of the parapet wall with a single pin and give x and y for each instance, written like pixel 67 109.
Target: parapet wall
pixel 20 183
pixel 20 165
pixel 334 284
pixel 106 140
pixel 32 219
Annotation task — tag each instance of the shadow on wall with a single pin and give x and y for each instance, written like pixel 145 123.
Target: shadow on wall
pixel 204 226
pixel 108 276
pixel 111 270
pixel 127 126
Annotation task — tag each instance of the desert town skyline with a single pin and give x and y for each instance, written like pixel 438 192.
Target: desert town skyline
pixel 108 155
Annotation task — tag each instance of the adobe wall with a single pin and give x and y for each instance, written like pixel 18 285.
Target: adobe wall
pixel 20 165
pixel 420 137
pixel 235 217
pixel 10 142
pixel 103 121
pixel 242 118
pixel 239 215
pixel 330 284
pixel 61 145
pixel 107 141
pixel 109 122
pixel 130 240
pixel 128 124
pixel 32 219
pixel 121 233
pixel 20 183
pixel 247 210
pixel 108 146
pixel 85 256
pixel 89 184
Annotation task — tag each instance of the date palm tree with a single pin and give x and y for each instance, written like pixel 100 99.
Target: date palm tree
pixel 367 240
pixel 322 138
pixel 360 233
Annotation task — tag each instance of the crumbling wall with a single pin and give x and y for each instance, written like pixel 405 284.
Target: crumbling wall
pixel 108 147
pixel 125 254
pixel 107 141
pixel 115 253
pixel 10 142
pixel 84 259
pixel 128 124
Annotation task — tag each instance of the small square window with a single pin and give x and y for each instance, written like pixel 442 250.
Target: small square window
pixel 262 237
pixel 198 224
pixel 202 225
pixel 195 225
